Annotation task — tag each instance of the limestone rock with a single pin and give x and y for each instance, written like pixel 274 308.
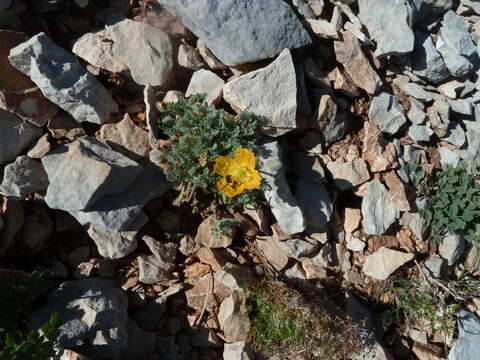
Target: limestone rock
pixel 315 203
pixel 206 82
pixel 467 345
pixel 63 126
pixel 283 204
pixel 352 219
pixel 420 133
pixel 378 211
pixel 298 248
pixel 62 79
pixel 189 58
pixel 397 191
pixel 348 174
pixel 310 167
pixel 235 39
pixel 381 264
pixel 206 236
pixel 273 252
pixel 350 54
pixel 23 177
pixel 379 153
pixel 151 271
pixel 452 248
pixel 113 245
pixel 164 252
pixel 235 277
pixel 427 62
pixel 236 351
pixel 435 266
pixel 258 92
pixel 386 113
pixel 15 135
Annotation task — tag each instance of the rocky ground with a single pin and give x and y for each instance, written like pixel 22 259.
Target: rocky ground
pixel 349 93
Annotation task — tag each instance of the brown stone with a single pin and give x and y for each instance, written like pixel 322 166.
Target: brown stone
pixel 247 226
pixel 212 257
pixel 326 112
pixel 344 84
pixel 379 153
pixel 206 291
pixel 314 272
pixel 396 193
pixel 18 94
pixel 63 126
pixel 352 219
pixel 427 352
pixel 196 269
pixel 236 328
pixel 272 252
pixel 207 237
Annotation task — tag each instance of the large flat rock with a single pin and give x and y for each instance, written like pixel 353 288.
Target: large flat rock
pixel 381 264
pixel 241 31
pixel 62 79
pixel 378 211
pixel 270 93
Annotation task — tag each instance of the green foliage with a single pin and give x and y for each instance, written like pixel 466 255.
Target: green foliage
pixel 198 135
pixel 224 227
pixel 17 301
pixel 453 200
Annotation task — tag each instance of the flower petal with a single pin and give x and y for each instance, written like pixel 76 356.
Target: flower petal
pixel 224 165
pixel 245 158
pixel 231 191
pixel 253 180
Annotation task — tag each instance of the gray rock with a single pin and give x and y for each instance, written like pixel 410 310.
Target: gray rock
pixel 113 245
pixel 84 171
pixel 350 54
pixel 123 211
pixel 418 336
pixel 468 343
pixel 283 204
pixel 383 262
pixel 298 248
pixel 93 314
pixel 257 92
pixel 336 129
pixel 415 223
pixel 296 272
pixel 62 79
pixel 386 113
pixel 236 351
pixel 36 230
pixel 189 58
pixel 164 252
pixel 455 134
pixel 348 174
pixel 427 62
pixel 235 277
pixel 457 65
pixel 15 135
pixel 420 132
pixel 389 25
pixel 378 211
pixel 451 88
pixel 435 266
pixel 462 107
pixel 416 114
pixel 23 177
pixel 231 28
pixel 206 82
pixel 452 248
pixel 473 138
pixel 310 167
pixel 151 270
pixel 315 203
pixel 212 62
pixel 417 91
pixel 130 38
pixel 448 157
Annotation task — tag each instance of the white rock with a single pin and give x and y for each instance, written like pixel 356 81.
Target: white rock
pixel 189 58
pixel 113 245
pixel 348 174
pixel 381 264
pixel 206 82
pixel 353 243
pixel 468 343
pixel 451 248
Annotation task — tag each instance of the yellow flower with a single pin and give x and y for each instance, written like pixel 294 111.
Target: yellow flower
pixel 238 173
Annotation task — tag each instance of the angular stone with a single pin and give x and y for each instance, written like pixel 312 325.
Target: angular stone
pixel 389 25
pixel 63 126
pixel 348 174
pixel 354 243
pixel 298 248
pixel 381 264
pixel 126 138
pixel 397 191
pixel 323 29
pixel 113 245
pixel 207 237
pixel 257 92
pixel 123 211
pixel 468 343
pixel 23 177
pixel 420 132
pixel 41 148
pixel 235 39
pixel 435 265
pixel 379 153
pixel 131 38
pixel 151 271
pixel 386 113
pixel 296 272
pixel 208 57
pixel 378 211
pixel 235 277
pixel 36 230
pixel 315 203
pixel 352 219
pixel 212 257
pixel 448 157
pixel 206 82
pixel 189 58
pixel 452 248
pixel 455 134
pixel 164 252
pixel 350 54
pixel 18 94
pixel 416 114
pixel 310 167
pixel 427 62
pixel 272 251
pixel 283 204
pixel 15 135
pixel 83 172
pixel 417 91
pixel 62 79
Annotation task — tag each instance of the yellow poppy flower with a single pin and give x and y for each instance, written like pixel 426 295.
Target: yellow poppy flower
pixel 238 173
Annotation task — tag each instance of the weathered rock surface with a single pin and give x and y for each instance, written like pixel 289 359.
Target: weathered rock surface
pixel 63 126
pixel 396 191
pixel 189 58
pixel 273 252
pixel 310 167
pixel 283 204
pixel 164 252
pixel 93 313
pixel 16 95
pixel 207 237
pixel 151 270
pixel 381 264
pixel 270 92
pixel 235 277
pixel 350 54
pixel 298 248
pixel 386 113
pixel 389 25
pixel 126 138
pixel 41 148
pixel 378 211
pixel 83 172
pixel 15 135
pixel 62 79
pixel 348 174
pixel 426 60
pixel 206 82
pixel 467 345
pixel 420 133
pixel 435 266
pixel 315 203
pixel 23 177
pixel 379 153
pixel 231 28
pixel 451 248
pixel 236 351
pixel 113 245
pixel 131 38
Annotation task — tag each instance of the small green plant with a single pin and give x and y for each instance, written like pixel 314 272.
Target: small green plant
pixel 453 200
pixel 224 227
pixel 19 294
pixel 201 138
